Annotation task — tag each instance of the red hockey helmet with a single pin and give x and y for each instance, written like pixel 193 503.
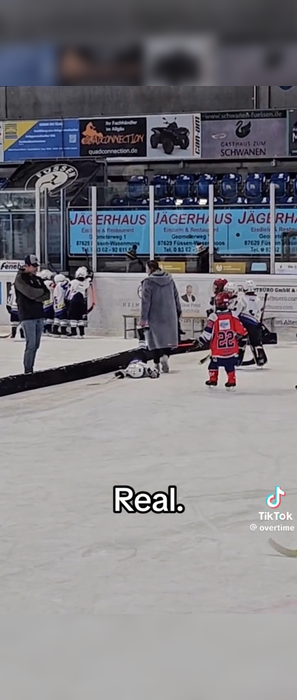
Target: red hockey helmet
pixel 219 285
pixel 222 301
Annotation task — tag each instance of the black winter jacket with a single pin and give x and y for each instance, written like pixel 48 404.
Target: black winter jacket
pixel 31 292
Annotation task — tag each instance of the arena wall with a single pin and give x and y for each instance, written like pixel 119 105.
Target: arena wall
pixel 37 102
pixel 118 294
pixel 86 101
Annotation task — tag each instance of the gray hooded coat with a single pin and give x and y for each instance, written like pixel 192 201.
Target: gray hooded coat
pixel 160 310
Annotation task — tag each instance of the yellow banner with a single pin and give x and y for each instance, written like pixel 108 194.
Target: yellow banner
pixel 230 268
pixel 13 131
pixel 173 267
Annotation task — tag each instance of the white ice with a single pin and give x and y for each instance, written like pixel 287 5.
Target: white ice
pixel 62 550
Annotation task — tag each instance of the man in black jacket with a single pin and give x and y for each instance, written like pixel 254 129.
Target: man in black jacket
pixel 31 292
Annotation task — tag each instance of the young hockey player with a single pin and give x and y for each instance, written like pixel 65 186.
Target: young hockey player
pixel 231 289
pixel 78 301
pixel 12 309
pixel 48 306
pixel 218 286
pixel 138 368
pixel 60 305
pixel 221 332
pixel 248 310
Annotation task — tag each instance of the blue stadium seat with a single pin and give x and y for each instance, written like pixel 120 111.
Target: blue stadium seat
pixel 141 202
pixel 281 182
pixel 230 187
pixel 253 187
pixel 119 202
pixel 291 201
pixel 282 200
pixel 191 202
pixel 161 185
pixel 137 187
pixel 182 186
pixel 166 202
pixel 202 185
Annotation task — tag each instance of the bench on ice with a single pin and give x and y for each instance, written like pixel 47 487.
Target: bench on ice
pixel 194 318
pixel 135 316
pixel 191 316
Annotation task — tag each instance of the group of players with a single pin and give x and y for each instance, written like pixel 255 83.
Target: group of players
pixel 233 320
pixel 66 311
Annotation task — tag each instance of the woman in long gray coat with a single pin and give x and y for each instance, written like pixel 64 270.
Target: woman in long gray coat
pixel 160 312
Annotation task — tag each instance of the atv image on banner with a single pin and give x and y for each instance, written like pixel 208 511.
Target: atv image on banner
pixel 169 135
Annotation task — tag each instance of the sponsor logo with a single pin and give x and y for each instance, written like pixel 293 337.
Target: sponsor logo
pixel 10 265
pixel 54 178
pixel 224 325
pixel 92 137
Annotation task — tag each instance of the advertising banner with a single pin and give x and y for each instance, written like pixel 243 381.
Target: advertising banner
pixel 56 175
pixel 1 143
pixel 173 136
pixel 286 268
pixel 26 140
pixel 115 137
pixel 251 134
pixel 229 268
pixel 292 132
pixel 117 231
pixel 238 232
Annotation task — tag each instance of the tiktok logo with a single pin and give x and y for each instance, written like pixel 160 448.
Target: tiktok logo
pixel 274 500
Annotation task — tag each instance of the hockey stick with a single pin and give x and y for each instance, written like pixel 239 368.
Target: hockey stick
pixel 204 359
pixel 282 550
pixel 263 308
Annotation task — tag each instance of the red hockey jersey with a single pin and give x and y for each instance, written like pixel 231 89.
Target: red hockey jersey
pixel 220 331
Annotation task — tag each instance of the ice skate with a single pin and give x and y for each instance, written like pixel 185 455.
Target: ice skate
pixel 230 386
pixel 211 383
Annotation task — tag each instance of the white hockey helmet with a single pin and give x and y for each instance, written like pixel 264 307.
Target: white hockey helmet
pixel 135 370
pixel 249 286
pixel 81 272
pixel 231 288
pixel 46 275
pixel 60 278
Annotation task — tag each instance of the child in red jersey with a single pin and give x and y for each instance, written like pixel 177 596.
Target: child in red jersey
pixel 221 333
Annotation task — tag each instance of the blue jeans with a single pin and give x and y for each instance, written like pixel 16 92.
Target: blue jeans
pixel 33 329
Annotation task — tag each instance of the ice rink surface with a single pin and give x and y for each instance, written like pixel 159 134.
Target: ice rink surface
pixel 63 449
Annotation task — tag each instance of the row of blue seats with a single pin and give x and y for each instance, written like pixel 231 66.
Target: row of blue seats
pixel 230 187
pixel 171 202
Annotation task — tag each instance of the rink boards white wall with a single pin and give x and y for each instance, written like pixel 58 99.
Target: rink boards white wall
pixel 118 294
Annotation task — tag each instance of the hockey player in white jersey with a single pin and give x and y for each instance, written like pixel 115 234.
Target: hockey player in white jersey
pixel 60 305
pixel 48 306
pixel 138 367
pixel 248 310
pixel 13 311
pixel 78 301
pixel 232 289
